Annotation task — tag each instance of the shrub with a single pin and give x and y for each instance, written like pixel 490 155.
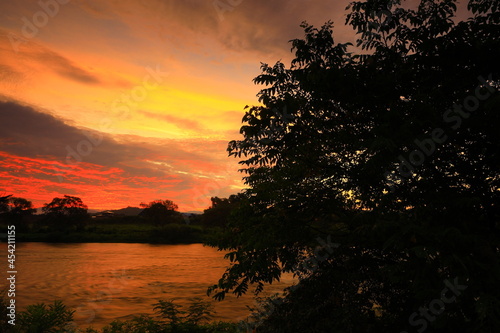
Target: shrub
pixel 40 318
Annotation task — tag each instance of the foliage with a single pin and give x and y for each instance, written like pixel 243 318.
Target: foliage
pixel 176 233
pixel 16 211
pixel 161 212
pixel 193 218
pixel 146 324
pixel 68 206
pixel 21 206
pixel 40 318
pixel 198 312
pixel 394 153
pixel 138 324
pixel 56 318
pixel 102 231
pixel 169 310
pixel 65 212
pixel 4 203
pixel 218 213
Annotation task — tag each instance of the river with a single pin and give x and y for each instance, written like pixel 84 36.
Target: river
pixel 107 281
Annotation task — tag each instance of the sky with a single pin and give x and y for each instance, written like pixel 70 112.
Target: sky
pixel 120 102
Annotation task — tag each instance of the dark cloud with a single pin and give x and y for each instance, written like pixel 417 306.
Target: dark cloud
pixel 27 132
pixel 35 133
pixel 38 152
pixel 20 66
pixel 257 26
pixel 261 25
pixel 64 66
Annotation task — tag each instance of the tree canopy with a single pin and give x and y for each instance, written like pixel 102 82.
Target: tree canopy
pixel 4 203
pixel 161 212
pixel 391 150
pixel 21 206
pixel 217 215
pixel 66 212
pixel 16 210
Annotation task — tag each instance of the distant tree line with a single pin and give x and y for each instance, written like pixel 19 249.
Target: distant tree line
pixel 70 212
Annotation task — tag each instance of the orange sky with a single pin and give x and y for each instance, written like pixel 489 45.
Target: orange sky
pixel 121 102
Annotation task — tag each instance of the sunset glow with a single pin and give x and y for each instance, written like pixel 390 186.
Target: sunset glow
pixel 120 102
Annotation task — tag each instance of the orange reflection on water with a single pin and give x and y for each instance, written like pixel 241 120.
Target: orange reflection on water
pixel 103 282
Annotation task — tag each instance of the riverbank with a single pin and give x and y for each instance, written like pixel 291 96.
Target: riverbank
pixel 119 233
pixel 56 317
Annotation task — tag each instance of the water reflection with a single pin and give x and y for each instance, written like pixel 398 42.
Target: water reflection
pixel 103 281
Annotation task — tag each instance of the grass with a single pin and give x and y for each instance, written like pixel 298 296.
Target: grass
pixel 170 318
pixel 118 233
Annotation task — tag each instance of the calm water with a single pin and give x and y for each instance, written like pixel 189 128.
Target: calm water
pixel 103 282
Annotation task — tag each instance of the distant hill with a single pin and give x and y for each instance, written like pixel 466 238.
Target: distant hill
pixel 129 211
pixel 132 211
pixel 196 212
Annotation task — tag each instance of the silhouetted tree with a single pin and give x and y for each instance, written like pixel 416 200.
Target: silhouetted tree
pixel 161 212
pixel 21 206
pixel 18 212
pixel 66 212
pixel 193 218
pixel 393 154
pixel 218 213
pixel 4 203
pixel 4 208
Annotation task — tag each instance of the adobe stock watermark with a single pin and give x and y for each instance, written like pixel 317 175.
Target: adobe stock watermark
pixel 309 265
pixel 436 307
pixel 120 108
pixel 427 146
pixel 31 26
pixel 223 6
pixel 87 311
